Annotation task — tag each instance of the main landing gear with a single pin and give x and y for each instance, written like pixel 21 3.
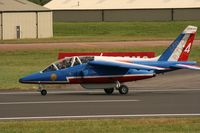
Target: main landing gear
pixel 42 91
pixel 123 89
pixel 109 91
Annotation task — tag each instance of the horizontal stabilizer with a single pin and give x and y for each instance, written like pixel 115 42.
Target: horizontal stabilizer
pixel 183 66
pixel 124 65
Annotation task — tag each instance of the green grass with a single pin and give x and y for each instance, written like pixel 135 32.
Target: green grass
pixel 113 31
pixel 135 125
pixel 134 30
pixel 152 29
pixel 16 64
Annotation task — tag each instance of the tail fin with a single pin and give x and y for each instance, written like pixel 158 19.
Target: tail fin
pixel 179 50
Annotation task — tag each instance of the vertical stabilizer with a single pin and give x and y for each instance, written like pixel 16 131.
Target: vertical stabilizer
pixel 180 49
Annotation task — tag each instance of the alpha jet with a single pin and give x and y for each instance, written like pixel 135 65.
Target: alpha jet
pixel 109 73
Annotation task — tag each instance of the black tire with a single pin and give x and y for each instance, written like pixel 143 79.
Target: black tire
pixel 43 92
pixel 123 89
pixel 109 91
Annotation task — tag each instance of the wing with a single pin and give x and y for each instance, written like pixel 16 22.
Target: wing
pixel 124 65
pixel 183 66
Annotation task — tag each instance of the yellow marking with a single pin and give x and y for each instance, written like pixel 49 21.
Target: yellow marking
pixel 53 77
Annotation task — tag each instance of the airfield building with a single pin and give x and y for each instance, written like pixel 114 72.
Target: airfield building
pixel 24 19
pixel 124 10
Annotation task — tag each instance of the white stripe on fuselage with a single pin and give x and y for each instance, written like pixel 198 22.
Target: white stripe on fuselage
pixel 128 61
pixel 125 59
pixel 112 76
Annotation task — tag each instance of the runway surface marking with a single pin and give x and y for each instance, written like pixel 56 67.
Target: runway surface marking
pixel 68 92
pixel 60 102
pixel 99 116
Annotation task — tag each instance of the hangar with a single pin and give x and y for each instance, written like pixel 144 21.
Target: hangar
pixel 124 10
pixel 20 19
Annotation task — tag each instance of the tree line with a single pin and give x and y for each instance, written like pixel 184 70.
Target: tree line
pixel 40 2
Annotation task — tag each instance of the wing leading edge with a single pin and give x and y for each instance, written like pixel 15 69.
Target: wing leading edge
pixel 124 65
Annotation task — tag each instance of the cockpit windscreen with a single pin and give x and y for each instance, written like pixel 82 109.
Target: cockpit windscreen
pixel 68 62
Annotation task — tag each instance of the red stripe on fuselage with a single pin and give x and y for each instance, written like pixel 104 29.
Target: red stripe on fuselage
pixel 95 79
pixel 79 80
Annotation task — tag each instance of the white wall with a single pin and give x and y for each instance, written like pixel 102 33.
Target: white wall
pixel 28 25
pixel 45 24
pixel 26 21
pixel 120 4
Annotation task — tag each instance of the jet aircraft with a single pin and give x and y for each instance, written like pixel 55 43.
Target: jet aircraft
pixel 109 73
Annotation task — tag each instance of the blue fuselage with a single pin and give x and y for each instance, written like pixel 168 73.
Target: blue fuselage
pixel 84 73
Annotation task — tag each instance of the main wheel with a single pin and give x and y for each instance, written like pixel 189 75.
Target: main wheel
pixel 123 89
pixel 43 92
pixel 109 91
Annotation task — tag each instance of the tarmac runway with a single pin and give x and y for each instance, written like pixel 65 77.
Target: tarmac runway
pixel 173 94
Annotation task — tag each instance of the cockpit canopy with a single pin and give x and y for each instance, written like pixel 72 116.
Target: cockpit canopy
pixel 68 62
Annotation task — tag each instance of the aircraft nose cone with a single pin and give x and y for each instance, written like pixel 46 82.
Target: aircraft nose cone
pixel 24 79
pixel 30 78
pixel 21 80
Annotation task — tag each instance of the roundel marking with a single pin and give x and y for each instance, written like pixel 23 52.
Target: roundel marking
pixel 53 77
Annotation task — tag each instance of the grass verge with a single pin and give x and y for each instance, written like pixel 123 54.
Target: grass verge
pixel 134 125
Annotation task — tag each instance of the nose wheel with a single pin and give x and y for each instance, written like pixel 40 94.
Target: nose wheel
pixel 42 91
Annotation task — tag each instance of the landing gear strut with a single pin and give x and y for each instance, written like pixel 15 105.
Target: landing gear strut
pixel 123 89
pixel 42 91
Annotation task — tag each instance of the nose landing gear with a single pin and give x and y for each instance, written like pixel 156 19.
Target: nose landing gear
pixel 42 91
